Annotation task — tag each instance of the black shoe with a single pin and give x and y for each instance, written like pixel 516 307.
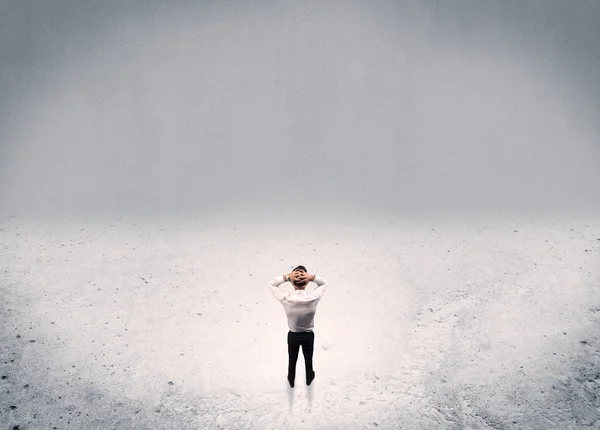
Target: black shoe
pixel 310 379
pixel 291 381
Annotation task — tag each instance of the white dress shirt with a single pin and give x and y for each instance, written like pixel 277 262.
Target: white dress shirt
pixel 300 305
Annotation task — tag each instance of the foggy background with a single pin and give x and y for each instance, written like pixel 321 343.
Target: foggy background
pixel 212 112
pixel 145 107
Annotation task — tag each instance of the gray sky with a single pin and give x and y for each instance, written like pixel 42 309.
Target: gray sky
pixel 393 106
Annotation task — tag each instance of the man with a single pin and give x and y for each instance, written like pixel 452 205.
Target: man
pixel 300 307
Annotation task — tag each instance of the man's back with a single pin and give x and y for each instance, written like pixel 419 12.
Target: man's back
pixel 300 305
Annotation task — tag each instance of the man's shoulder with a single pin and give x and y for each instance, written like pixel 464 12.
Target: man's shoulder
pixel 300 299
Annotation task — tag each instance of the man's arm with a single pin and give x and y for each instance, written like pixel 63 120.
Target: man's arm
pixel 274 287
pixel 321 286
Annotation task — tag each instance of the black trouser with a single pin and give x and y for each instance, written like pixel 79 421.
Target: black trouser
pixel 307 341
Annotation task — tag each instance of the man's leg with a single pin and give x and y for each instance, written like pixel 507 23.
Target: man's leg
pixel 293 349
pixel 308 347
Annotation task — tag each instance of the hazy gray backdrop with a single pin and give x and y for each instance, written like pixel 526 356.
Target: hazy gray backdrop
pixel 146 107
pixel 224 116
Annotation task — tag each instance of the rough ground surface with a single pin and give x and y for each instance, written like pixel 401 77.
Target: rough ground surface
pixel 167 324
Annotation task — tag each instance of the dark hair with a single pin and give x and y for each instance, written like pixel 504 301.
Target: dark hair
pixel 300 268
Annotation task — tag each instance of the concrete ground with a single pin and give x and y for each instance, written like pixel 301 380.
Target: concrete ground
pixel 150 323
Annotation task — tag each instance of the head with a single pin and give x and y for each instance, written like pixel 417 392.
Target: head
pixel 299 284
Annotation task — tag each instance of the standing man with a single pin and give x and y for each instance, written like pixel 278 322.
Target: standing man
pixel 300 307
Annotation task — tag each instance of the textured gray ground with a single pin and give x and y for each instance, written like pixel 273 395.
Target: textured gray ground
pixel 158 324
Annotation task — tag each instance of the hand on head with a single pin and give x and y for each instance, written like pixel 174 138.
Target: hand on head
pixel 300 277
pixel 305 277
